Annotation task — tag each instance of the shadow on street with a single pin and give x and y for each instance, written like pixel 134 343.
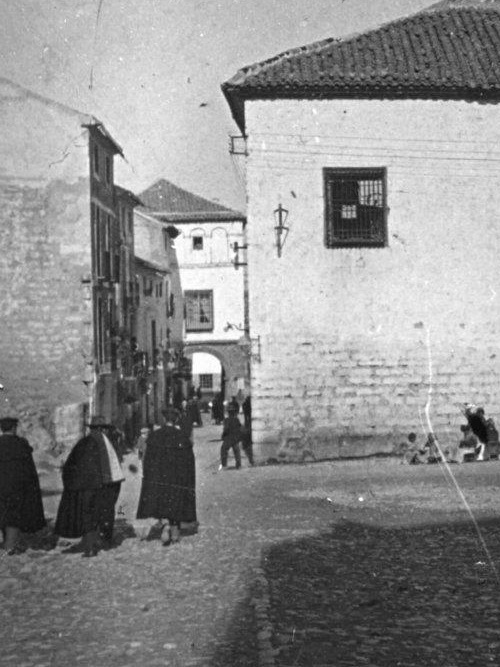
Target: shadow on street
pixel 365 595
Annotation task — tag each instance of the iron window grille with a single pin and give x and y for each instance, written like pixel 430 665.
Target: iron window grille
pixel 355 207
pixel 206 381
pixel 199 310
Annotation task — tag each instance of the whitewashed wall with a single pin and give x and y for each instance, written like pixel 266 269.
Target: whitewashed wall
pixel 354 342
pixel 212 269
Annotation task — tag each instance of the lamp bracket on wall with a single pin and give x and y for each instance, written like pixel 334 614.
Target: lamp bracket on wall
pixel 280 228
pixel 236 249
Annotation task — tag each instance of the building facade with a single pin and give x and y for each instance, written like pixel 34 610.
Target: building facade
pixel 382 314
pixel 61 268
pixel 213 286
pixel 160 359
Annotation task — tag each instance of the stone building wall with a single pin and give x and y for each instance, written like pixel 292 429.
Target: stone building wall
pixel 45 298
pixel 45 341
pixel 356 343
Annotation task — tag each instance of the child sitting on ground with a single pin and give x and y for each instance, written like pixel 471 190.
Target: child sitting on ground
pixel 410 451
pixel 432 449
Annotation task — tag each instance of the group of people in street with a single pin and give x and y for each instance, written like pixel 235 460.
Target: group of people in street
pixel 92 476
pixel 479 442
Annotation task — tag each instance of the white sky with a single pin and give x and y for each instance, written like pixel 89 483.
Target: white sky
pixel 153 62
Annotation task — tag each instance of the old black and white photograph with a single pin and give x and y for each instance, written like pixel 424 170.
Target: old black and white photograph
pixel 249 333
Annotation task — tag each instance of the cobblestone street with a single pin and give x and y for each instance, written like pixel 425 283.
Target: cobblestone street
pixel 337 563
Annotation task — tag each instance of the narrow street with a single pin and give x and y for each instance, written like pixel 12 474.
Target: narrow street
pixel 141 603
pixel 343 546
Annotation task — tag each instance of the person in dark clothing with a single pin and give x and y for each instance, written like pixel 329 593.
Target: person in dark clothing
pixel 169 477
pixel 246 442
pixel 246 407
pixel 231 437
pixel 21 507
pixel 193 410
pixel 493 442
pixel 477 422
pixel 184 419
pixel 92 476
pixel 234 405
pixel 218 409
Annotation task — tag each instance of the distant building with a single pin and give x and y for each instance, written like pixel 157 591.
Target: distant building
pixel 214 290
pixel 63 268
pixel 384 306
pixel 165 371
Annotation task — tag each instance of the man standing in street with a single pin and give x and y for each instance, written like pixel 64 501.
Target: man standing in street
pixel 21 507
pixel 231 438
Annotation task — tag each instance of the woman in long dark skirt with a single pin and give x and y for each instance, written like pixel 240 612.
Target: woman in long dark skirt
pixel 92 477
pixel 21 508
pixel 168 486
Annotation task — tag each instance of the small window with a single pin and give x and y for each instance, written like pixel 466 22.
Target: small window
pixel 206 381
pixel 199 310
pixel 108 169
pixel 197 242
pixel 355 207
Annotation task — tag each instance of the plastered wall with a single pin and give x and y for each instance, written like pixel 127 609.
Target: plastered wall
pixel 356 343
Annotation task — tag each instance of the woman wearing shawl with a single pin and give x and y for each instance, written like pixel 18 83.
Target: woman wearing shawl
pixel 92 476
pixel 168 485
pixel 21 508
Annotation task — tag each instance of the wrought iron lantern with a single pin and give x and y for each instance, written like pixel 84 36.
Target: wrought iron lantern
pixel 280 228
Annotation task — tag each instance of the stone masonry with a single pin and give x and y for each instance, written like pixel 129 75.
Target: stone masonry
pixel 356 343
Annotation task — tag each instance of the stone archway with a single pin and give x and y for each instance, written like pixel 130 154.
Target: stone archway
pixel 233 358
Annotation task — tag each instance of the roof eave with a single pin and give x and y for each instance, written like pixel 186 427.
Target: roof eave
pixel 99 128
pixel 236 104
pixel 123 193
pixel 151 266
pixel 236 97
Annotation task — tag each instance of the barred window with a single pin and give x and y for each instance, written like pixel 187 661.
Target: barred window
pixel 199 310
pixel 355 207
pixel 206 381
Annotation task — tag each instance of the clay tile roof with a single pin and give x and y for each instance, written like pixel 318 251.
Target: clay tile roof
pixel 127 195
pixel 449 50
pixel 168 202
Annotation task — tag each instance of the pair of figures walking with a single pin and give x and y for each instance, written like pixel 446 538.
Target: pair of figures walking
pixel 92 478
pixel 232 434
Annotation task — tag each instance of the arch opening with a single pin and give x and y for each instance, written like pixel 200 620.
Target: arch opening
pixel 208 376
